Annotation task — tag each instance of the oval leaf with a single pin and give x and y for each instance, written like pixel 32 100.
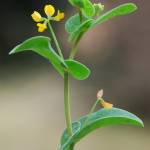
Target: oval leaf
pixel 102 118
pixel 121 10
pixel 41 45
pixel 77 70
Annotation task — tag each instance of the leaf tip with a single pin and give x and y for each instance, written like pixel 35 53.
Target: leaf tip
pixel 133 6
pixel 11 52
pixel 141 123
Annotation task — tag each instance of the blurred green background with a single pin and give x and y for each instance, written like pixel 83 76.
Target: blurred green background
pixel 31 91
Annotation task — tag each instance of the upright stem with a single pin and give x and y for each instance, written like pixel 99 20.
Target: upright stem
pixel 74 48
pixel 67 103
pixel 73 52
pixel 55 40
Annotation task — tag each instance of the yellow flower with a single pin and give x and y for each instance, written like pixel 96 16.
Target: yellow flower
pixel 49 10
pixel 41 27
pixel 60 16
pixel 36 16
pixel 106 105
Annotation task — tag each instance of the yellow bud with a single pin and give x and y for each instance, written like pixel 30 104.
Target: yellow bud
pixel 41 27
pixel 106 105
pixel 36 16
pixel 60 16
pixel 49 10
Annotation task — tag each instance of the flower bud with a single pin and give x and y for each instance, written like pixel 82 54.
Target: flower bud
pixel 100 94
pixel 60 16
pixel 36 16
pixel 41 27
pixel 98 8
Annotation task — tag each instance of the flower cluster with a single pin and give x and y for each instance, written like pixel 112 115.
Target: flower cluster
pixel 42 22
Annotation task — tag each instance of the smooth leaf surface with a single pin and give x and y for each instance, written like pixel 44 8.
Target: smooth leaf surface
pixel 121 10
pixel 73 23
pixel 41 45
pixel 85 6
pixel 77 3
pixel 101 118
pixel 79 32
pixel 88 9
pixel 77 70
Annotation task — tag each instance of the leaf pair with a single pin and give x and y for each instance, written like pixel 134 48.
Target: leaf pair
pixel 101 118
pixel 76 29
pixel 41 45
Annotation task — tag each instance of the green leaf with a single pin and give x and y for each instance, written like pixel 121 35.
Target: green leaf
pixel 73 23
pixel 41 45
pixel 88 9
pixel 77 3
pixel 79 32
pixel 85 6
pixel 77 70
pixel 101 118
pixel 121 10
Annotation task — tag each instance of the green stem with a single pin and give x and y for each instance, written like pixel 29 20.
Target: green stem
pixel 74 49
pixel 73 52
pixel 55 40
pixel 94 106
pixel 67 103
pixel 91 111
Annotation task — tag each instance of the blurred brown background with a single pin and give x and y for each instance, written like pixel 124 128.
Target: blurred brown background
pixel 31 92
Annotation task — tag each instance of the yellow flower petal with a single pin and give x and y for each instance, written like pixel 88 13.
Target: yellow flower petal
pixel 41 27
pixel 49 10
pixel 36 16
pixel 60 16
pixel 106 105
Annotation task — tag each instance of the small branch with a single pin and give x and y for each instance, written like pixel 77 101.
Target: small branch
pixel 91 111
pixel 55 40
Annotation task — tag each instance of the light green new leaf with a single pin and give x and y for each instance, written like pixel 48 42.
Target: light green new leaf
pixel 88 9
pixel 79 32
pixel 77 70
pixel 41 45
pixel 85 6
pixel 121 10
pixel 101 118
